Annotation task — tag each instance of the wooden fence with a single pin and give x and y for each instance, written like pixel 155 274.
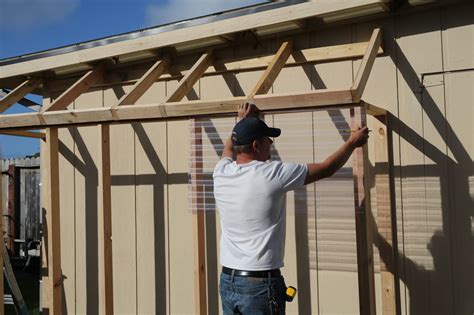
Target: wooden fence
pixel 21 200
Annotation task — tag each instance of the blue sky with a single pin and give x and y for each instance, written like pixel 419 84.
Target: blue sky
pixel 33 25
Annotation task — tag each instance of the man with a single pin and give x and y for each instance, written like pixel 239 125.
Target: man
pixel 250 196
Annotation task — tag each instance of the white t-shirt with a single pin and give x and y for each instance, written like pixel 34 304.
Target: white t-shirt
pixel 251 199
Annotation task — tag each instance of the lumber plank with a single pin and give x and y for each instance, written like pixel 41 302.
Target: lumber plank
pixel 272 17
pixel 79 87
pixel 144 83
pixel 105 207
pixel 51 207
pixel 313 99
pixel 385 214
pixel 18 93
pixel 2 244
pixel 271 73
pixel 188 81
pixel 367 62
pixel 200 281
pixel 365 261
pixel 24 133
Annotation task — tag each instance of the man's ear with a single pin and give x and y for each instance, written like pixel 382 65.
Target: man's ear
pixel 256 146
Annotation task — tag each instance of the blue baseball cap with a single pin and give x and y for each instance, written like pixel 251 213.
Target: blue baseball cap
pixel 251 128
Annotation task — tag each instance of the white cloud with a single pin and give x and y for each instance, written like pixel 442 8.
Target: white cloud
pixel 175 10
pixel 24 14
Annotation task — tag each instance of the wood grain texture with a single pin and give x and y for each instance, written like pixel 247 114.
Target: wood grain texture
pixel 145 82
pixel 188 81
pixel 105 206
pixel 319 98
pixel 24 133
pixel 18 93
pixel 79 87
pixel 272 17
pixel 367 62
pixel 271 73
pixel 365 259
pixel 385 214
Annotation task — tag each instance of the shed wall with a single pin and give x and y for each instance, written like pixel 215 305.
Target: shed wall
pixel 153 225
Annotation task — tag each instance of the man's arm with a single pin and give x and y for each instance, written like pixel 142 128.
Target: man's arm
pixel 335 161
pixel 245 110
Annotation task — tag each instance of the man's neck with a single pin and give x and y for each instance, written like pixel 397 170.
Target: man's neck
pixel 244 158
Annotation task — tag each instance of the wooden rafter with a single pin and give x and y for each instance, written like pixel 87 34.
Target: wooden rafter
pixel 367 62
pixel 188 81
pixel 79 87
pixel 24 133
pixel 268 77
pixel 18 93
pixel 317 98
pixel 144 83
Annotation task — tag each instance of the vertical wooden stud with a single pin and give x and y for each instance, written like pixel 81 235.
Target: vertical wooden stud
pixel 385 214
pixel 105 208
pixel 365 262
pixel 198 224
pixel 51 207
pixel 2 243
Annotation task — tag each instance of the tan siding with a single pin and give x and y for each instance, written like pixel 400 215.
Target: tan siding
pixel 181 262
pixel 152 210
pixel 86 218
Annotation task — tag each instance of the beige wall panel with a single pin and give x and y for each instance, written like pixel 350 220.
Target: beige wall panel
pixel 68 229
pixel 419 51
pixel 181 237
pixel 336 300
pixel 437 195
pixel 335 221
pixel 458 36
pixel 86 196
pixel 296 145
pixel 152 210
pixel 124 215
pixel 459 92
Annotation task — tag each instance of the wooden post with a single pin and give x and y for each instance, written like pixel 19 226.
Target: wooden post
pixel 385 214
pixel 2 243
pixel 12 204
pixel 105 208
pixel 52 224
pixel 365 262
pixel 200 283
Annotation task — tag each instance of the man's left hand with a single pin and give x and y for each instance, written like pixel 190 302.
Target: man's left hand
pixel 248 110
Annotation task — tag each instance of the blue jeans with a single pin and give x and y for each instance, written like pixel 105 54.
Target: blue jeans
pixel 252 296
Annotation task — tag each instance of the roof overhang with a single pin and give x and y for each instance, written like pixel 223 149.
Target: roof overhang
pixel 207 34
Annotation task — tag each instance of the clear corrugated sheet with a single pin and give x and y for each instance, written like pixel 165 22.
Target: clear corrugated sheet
pixel 323 212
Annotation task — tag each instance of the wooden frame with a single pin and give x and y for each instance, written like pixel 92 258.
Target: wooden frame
pixel 124 111
pixel 18 93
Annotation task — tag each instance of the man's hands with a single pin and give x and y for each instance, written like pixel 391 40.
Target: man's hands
pixel 359 137
pixel 248 110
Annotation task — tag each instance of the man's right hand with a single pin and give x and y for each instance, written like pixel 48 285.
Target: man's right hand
pixel 359 137
pixel 248 110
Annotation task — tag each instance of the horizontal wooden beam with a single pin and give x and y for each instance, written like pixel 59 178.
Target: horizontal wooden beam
pixel 318 98
pixel 18 93
pixel 195 34
pixel 366 65
pixel 24 133
pixel 76 89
